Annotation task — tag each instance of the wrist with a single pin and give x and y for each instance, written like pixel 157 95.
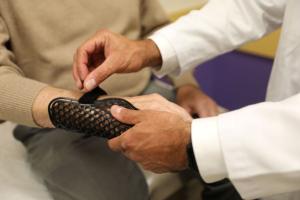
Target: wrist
pixel 186 141
pixel 40 105
pixel 151 54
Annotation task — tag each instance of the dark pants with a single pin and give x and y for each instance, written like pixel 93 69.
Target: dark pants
pixel 77 168
pixel 222 190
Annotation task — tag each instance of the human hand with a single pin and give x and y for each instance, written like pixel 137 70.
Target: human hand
pixel 107 53
pixel 158 103
pixel 194 101
pixel 157 141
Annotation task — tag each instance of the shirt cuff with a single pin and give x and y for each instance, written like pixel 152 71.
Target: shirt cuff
pixel 207 149
pixel 169 58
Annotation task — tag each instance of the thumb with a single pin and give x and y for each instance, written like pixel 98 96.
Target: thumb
pixel 102 72
pixel 126 115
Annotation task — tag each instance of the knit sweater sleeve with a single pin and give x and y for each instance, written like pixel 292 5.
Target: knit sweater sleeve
pixel 17 93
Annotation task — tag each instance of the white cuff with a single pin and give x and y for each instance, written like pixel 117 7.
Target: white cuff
pixel 169 58
pixel 207 149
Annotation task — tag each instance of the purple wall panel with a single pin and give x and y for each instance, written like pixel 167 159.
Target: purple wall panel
pixel 235 79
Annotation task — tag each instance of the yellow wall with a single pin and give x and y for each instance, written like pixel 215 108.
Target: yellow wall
pixel 265 47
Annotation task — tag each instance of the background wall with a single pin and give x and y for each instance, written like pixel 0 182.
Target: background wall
pixel 172 6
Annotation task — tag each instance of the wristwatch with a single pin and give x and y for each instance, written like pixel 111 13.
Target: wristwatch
pixel 192 164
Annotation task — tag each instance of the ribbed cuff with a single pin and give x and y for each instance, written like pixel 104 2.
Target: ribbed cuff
pixel 17 97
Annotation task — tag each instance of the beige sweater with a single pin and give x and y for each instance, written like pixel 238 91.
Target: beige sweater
pixel 38 39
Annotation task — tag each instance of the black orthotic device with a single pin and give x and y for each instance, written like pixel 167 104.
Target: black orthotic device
pixel 88 115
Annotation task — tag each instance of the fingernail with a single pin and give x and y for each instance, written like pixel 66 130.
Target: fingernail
pixel 116 109
pixel 90 84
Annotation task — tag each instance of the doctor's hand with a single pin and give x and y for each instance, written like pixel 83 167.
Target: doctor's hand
pixel 157 141
pixel 107 53
pixel 195 101
pixel 158 103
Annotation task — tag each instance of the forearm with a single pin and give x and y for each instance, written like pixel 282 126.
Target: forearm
pixel 40 105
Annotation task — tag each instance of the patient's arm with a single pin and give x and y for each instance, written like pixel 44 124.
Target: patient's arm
pixel 40 105
pixel 87 114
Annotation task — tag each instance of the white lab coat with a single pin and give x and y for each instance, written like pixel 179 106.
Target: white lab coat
pixel 257 147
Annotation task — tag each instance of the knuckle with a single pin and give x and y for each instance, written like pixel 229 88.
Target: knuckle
pixel 127 143
pixel 124 146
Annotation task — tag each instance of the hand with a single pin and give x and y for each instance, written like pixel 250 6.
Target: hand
pixel 107 53
pixel 158 103
pixel 194 101
pixel 157 141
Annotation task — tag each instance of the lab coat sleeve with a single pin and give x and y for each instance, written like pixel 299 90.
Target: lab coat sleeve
pixel 219 27
pixel 259 145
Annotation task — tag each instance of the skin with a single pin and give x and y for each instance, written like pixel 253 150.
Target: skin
pixel 111 53
pixel 196 102
pixel 107 53
pixel 141 141
pixel 161 129
pixel 40 105
pixel 158 139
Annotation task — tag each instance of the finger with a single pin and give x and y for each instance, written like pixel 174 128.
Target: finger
pixel 82 64
pixel 187 108
pixel 82 56
pixel 140 102
pixel 145 98
pixel 202 112
pixel 76 77
pixel 147 105
pixel 207 111
pixel 102 72
pixel 126 115
pixel 115 144
pixel 214 111
pixel 148 102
